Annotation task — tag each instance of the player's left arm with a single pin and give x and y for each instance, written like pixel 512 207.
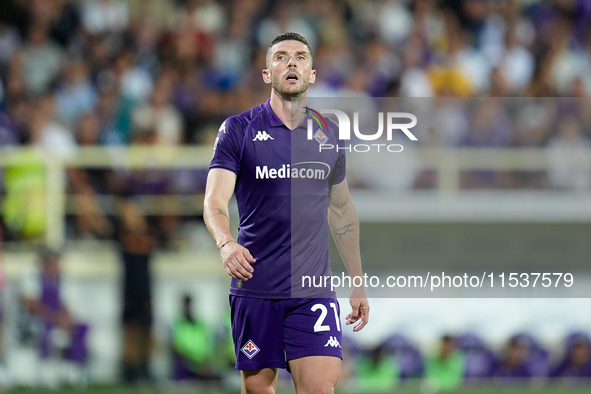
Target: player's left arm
pixel 344 226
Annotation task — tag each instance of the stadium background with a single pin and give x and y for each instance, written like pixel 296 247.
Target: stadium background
pixel 84 82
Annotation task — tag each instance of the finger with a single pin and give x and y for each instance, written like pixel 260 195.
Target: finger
pixel 243 269
pixel 244 264
pixel 351 319
pixel 229 270
pixel 248 256
pixel 354 313
pixel 234 272
pixel 364 319
pixel 359 326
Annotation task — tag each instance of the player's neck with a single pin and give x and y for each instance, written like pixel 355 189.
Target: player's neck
pixel 289 111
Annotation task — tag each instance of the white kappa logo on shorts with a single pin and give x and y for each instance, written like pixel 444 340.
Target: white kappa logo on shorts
pixel 333 342
pixel 250 349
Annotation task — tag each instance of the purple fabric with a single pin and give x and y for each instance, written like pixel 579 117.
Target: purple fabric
pixel 480 360
pixel 282 187
pixel 9 132
pixel 50 298
pixel 268 333
pixel 407 355
pixel 50 292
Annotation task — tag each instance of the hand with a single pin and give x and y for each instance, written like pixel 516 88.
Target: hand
pixel 359 309
pixel 237 261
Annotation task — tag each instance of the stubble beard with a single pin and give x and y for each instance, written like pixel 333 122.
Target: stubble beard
pixel 288 95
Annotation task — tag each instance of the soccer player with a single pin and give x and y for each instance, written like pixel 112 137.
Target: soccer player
pixel 288 192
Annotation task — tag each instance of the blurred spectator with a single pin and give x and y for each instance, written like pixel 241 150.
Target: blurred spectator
pixel 414 81
pixel 445 370
pixel 576 365
pixel 23 208
pixel 65 23
pixel 489 127
pixel 378 371
pixel 45 294
pixel 144 179
pixel 480 360
pixel 567 152
pixel 449 121
pixel 75 95
pixel 516 64
pixel 161 13
pixel 12 122
pixel 114 117
pixel 193 347
pixel 42 60
pixel 87 183
pixel 284 16
pixel 449 71
pixel 394 21
pixel 407 355
pixel 9 43
pixel 133 82
pixel 165 71
pixel 137 243
pixel 105 16
pixel 159 114
pixel 513 367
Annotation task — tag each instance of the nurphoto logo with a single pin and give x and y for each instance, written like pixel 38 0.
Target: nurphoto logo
pixel 392 124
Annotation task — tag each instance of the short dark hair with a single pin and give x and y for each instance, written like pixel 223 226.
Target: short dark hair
pixel 289 36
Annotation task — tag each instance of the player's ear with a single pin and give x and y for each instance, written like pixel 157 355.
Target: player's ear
pixel 313 76
pixel 266 75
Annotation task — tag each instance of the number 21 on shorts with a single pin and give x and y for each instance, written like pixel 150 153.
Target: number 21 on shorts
pixel 320 326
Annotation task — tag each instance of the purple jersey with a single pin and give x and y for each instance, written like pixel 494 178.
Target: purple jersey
pixel 282 187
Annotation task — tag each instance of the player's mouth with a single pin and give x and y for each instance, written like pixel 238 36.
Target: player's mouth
pixel 292 77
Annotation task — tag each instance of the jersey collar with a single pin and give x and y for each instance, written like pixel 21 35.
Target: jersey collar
pixel 274 119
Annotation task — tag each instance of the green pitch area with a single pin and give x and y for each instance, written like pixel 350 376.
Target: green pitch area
pixel 194 390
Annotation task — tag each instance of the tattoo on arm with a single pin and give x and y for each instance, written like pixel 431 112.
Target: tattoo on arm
pixel 218 211
pixel 343 230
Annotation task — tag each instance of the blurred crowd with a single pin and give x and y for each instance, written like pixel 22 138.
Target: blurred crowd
pixel 464 360
pixel 111 71
pixel 168 72
pixel 467 360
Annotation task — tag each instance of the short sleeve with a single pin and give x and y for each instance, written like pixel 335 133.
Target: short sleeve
pixel 340 169
pixel 227 147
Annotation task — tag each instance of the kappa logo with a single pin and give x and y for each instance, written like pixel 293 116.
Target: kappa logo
pixel 223 127
pixel 332 342
pixel 250 349
pixel 262 136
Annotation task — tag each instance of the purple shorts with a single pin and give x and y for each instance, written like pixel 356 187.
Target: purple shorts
pixel 268 333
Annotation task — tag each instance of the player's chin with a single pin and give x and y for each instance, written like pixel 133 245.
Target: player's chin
pixel 293 90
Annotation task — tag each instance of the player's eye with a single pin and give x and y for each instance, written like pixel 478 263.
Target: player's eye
pixel 301 58
pixel 280 57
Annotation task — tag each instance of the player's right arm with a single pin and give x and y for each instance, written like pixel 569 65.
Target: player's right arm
pixel 236 259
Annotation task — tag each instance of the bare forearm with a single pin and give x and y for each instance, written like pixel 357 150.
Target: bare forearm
pixel 217 219
pixel 344 225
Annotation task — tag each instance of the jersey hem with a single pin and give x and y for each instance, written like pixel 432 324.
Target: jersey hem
pixel 271 296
